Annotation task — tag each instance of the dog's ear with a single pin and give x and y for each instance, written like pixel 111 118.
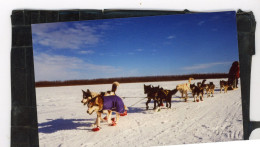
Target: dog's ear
pixel 96 100
pixel 83 91
pixel 88 90
pixel 102 93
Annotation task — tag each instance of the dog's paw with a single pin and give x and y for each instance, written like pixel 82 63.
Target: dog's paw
pixel 113 119
pixel 123 114
pixel 113 123
pixel 105 118
pixel 157 109
pixel 93 125
pixel 96 129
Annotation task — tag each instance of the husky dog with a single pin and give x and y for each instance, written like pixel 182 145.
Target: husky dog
pixel 210 89
pixel 88 95
pixel 198 90
pixel 223 85
pixel 106 104
pixel 166 95
pixel 151 94
pixel 184 88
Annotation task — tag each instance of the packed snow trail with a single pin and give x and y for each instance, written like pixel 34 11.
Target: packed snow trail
pixel 63 120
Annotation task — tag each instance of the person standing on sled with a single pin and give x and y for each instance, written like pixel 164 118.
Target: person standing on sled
pixel 233 75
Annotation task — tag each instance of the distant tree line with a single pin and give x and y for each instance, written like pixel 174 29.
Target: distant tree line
pixel 130 79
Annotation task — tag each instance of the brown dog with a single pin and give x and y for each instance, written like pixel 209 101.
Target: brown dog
pixel 223 85
pixel 106 104
pixel 210 88
pixel 184 89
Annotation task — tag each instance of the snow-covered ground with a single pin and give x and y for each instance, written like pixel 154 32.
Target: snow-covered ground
pixel 63 120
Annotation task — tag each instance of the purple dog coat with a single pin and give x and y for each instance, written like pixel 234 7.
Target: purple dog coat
pixel 114 103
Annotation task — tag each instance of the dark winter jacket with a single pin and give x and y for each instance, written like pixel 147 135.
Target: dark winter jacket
pixel 114 103
pixel 233 72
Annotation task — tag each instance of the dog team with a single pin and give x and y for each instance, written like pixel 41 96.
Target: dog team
pixel 108 102
pixel 158 94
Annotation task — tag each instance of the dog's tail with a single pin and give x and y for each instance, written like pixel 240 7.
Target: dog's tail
pixel 114 86
pixel 190 79
pixel 174 91
pixel 203 82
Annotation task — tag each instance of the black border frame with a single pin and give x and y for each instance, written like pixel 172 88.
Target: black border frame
pixel 24 124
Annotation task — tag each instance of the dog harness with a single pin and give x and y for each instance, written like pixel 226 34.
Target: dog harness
pixel 113 103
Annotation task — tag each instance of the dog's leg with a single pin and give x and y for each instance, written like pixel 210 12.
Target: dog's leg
pixel 159 103
pixel 148 101
pixel 117 117
pixel 95 124
pixel 98 119
pixel 170 102
pixel 154 102
pixel 102 119
pixel 186 96
pixel 167 102
pixel 213 93
pixel 109 114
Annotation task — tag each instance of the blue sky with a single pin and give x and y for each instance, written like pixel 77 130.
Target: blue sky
pixel 139 46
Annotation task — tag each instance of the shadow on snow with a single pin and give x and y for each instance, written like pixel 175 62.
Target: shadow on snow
pixel 54 125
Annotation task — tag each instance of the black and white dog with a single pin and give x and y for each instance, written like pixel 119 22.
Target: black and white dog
pixel 198 90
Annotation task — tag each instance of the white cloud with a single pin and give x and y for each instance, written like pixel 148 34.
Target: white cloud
pixel 201 23
pixel 86 52
pixel 64 36
pixel 204 66
pixel 130 53
pixel 171 37
pixel 139 50
pixel 57 67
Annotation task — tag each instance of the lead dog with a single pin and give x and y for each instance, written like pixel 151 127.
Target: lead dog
pixel 105 104
pixel 88 95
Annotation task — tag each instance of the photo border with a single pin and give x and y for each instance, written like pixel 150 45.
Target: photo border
pixel 24 124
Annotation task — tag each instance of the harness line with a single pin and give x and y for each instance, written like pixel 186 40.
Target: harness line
pixel 137 102
pixel 133 97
